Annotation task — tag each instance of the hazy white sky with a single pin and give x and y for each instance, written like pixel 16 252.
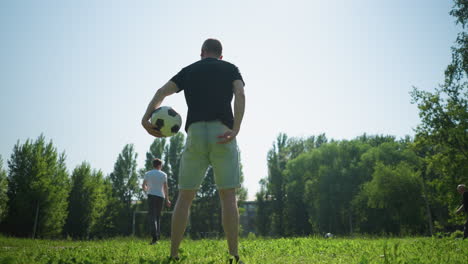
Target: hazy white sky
pixel 83 72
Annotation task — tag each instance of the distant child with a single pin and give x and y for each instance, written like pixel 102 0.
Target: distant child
pixel 155 184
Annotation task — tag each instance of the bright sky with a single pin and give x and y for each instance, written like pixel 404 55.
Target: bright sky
pixel 83 72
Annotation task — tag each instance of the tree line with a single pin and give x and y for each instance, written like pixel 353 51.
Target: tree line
pixel 40 198
pixel 373 184
pixel 376 184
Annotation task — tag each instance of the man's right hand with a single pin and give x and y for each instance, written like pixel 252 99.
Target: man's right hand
pixel 227 137
pixel 151 129
pixel 167 89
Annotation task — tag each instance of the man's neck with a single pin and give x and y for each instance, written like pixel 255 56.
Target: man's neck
pixel 210 56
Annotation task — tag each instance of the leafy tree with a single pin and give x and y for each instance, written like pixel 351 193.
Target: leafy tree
pixel 3 191
pixel 241 192
pixel 124 177
pixel 390 153
pixel 57 202
pixel 396 192
pixel 442 137
pixel 176 145
pixel 274 193
pixel 297 220
pixel 156 151
pixel 264 210
pixel 86 201
pixel 106 225
pixel 320 186
pixel 37 190
pixel 125 187
pixel 276 160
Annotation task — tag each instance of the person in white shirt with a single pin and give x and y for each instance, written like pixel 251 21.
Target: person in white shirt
pixel 155 184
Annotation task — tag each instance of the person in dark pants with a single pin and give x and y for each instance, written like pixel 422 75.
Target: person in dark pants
pixel 155 184
pixel 464 207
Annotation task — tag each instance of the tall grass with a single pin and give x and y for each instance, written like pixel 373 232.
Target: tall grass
pixel 254 250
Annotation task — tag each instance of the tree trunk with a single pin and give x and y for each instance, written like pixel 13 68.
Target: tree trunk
pixel 35 221
pixel 428 210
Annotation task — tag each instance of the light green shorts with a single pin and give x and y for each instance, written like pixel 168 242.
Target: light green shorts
pixel 201 150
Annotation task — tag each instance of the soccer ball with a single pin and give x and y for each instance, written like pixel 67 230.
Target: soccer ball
pixel 166 120
pixel 328 235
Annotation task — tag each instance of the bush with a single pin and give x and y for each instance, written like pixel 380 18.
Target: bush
pixel 457 234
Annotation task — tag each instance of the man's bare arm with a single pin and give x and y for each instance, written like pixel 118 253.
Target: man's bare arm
pixel 167 89
pixel 144 186
pixel 239 104
pixel 239 109
pixel 166 194
pixel 460 209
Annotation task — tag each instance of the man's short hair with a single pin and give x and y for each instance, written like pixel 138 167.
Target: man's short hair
pixel 157 162
pixel 213 46
pixel 460 186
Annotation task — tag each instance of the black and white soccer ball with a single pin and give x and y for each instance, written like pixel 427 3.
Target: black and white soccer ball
pixel 328 235
pixel 166 120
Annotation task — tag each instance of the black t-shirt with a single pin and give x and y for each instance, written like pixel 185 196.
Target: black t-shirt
pixel 465 201
pixel 208 90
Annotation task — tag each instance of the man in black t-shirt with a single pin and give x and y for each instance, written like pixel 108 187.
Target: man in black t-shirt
pixel 464 207
pixel 209 86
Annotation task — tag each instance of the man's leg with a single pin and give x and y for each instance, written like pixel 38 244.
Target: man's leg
pixel 465 233
pixel 230 218
pixel 158 207
pixel 152 217
pixel 179 219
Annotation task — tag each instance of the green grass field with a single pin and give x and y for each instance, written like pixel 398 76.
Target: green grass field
pixel 286 250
